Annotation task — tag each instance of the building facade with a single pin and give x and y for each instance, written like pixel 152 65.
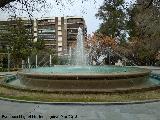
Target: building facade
pixel 73 23
pixel 52 31
pixel 58 33
pixel 3 30
pixel 12 22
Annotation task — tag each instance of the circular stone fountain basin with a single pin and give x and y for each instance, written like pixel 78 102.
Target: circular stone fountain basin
pixel 84 77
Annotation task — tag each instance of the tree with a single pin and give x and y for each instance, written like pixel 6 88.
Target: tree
pixel 24 3
pixel 27 6
pixel 38 45
pixel 99 45
pixel 148 3
pixel 113 15
pixel 5 2
pixel 144 33
pixel 32 5
pixel 20 40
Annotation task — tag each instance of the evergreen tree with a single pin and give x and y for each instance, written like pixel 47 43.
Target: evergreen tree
pixel 144 25
pixel 113 15
pixel 20 40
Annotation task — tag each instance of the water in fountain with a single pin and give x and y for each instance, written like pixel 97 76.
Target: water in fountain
pixel 80 57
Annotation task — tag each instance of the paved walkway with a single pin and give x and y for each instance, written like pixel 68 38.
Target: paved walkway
pixel 30 111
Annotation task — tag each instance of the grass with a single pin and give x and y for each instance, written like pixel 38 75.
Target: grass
pixel 53 97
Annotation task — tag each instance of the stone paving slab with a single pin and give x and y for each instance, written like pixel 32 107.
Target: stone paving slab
pixel 31 111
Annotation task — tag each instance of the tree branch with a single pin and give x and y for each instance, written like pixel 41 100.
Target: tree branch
pixel 5 2
pixel 150 3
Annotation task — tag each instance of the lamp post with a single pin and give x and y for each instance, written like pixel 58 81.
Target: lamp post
pixel 8 58
pixel 29 66
pixel 36 61
pixel 109 50
pixel 50 60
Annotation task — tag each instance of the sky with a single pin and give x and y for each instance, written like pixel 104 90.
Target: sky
pixel 87 9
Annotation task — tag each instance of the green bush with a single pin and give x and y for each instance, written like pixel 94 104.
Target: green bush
pixel 3 69
pixel 6 69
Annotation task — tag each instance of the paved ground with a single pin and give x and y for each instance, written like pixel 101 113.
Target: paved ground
pixel 29 111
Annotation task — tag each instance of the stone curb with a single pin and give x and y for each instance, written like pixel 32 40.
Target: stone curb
pixel 81 103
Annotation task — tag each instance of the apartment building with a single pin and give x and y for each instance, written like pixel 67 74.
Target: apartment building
pixel 52 31
pixel 73 23
pixel 58 33
pixel 3 30
pixel 28 23
pixel 4 25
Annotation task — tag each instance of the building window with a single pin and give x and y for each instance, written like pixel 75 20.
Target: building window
pixel 59 38
pixel 35 29
pixel 60 48
pixel 59 32
pixel 35 34
pixel 59 22
pixel 59 43
pixel 53 20
pixel 59 28
pixel 35 24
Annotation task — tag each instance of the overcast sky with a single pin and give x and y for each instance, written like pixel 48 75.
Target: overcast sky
pixel 87 9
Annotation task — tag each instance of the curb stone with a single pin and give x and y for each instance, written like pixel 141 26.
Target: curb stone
pixel 81 103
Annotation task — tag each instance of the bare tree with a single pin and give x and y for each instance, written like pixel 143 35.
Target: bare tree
pixel 29 6
pixel 24 5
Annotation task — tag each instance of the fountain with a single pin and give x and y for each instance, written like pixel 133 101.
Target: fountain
pixel 80 52
pixel 82 77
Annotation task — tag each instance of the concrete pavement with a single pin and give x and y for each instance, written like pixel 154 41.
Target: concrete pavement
pixel 31 111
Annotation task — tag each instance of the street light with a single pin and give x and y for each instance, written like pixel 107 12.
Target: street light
pixel 109 50
pixel 8 58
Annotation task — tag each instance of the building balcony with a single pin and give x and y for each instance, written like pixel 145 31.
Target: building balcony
pixel 44 24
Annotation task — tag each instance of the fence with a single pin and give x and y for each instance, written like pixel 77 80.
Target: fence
pixel 7 62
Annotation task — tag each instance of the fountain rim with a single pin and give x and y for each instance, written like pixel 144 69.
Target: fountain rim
pixel 63 76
